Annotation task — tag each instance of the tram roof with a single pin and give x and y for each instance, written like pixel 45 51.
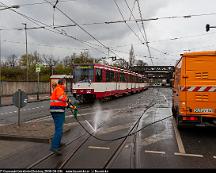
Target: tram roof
pixel 108 67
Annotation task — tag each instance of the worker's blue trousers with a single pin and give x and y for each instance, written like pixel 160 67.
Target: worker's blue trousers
pixel 58 118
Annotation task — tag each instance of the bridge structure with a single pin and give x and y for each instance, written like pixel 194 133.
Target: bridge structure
pixel 156 74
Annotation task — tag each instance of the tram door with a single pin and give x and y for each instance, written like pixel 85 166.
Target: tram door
pixel 117 79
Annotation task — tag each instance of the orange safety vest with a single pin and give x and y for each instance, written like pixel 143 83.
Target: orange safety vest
pixel 58 99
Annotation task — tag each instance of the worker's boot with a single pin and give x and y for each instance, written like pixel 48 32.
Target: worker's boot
pixel 62 145
pixel 56 151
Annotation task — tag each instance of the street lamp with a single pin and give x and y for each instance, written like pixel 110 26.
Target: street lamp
pixel 9 7
pixel 27 60
pixel 208 27
pixel 1 88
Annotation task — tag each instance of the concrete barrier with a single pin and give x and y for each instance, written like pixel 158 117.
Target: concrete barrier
pixel 9 88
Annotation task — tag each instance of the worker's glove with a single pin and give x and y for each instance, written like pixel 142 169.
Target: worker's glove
pixel 69 100
pixel 73 107
pixel 75 112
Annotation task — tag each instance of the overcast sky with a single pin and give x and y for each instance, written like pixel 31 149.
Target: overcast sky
pixel 167 37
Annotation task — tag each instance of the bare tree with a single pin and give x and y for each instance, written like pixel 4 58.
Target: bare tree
pixel 69 60
pixel 122 63
pixel 141 63
pixel 50 61
pixel 11 61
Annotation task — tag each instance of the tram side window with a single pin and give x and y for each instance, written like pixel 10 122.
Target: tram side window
pixel 98 77
pixel 117 77
pixel 122 77
pixel 108 76
pixel 112 76
pixel 131 78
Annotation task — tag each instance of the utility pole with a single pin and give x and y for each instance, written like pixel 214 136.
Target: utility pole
pixel 27 60
pixel 0 73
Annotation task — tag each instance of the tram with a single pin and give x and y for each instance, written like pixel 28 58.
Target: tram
pixel 97 81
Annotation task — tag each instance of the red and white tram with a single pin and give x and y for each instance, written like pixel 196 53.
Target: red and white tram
pixel 97 81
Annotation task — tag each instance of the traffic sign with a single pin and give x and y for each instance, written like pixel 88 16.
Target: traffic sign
pixel 20 99
pixel 38 68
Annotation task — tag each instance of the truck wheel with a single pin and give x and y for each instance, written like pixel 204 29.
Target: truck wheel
pixel 179 125
pixel 174 111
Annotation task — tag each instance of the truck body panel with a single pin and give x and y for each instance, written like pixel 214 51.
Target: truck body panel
pixel 194 92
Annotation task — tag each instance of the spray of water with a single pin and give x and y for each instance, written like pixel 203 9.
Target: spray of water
pixel 100 116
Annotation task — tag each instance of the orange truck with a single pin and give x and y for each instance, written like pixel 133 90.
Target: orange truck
pixel 194 89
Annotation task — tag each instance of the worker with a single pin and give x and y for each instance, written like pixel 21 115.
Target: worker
pixel 58 103
pixel 54 84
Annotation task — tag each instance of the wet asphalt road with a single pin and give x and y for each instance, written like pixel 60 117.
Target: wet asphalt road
pixel 159 145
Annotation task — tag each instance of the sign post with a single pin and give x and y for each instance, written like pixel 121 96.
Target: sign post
pixel 20 99
pixel 38 69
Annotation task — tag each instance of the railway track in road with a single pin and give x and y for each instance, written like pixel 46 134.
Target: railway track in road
pixel 70 150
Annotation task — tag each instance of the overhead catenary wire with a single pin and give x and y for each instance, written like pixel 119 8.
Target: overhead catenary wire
pixel 139 20
pixel 42 45
pixel 42 2
pixel 119 10
pixel 132 9
pixel 187 16
pixel 72 20
pixel 134 31
pixel 55 30
pixel 138 43
pixel 146 39
pixel 131 12
pixel 50 28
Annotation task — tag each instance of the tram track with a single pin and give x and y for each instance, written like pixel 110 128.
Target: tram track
pixel 81 143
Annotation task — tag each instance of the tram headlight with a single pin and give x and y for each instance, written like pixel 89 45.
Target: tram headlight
pixel 88 91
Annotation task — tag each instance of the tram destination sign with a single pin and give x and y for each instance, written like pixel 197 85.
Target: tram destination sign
pixel 85 67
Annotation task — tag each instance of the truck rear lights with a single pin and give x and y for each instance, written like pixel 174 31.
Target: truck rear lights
pixel 190 118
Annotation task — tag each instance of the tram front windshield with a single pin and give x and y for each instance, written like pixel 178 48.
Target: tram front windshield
pixel 83 73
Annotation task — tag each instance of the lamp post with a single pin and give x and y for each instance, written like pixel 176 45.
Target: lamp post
pixel 0 71
pixel 208 27
pixel 27 60
pixel 1 88
pixel 9 7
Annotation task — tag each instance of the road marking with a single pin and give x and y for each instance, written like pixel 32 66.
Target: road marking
pixel 163 135
pixel 155 152
pixel 214 157
pixel 102 148
pixel 90 125
pixel 190 155
pixel 165 98
pixel 178 138
pixel 103 130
